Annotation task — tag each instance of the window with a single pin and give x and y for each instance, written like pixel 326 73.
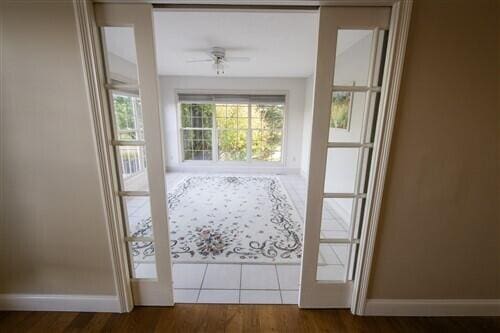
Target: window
pixel 232 127
pixel 232 131
pixel 129 127
pixel 128 114
pixel 197 125
pixel 267 132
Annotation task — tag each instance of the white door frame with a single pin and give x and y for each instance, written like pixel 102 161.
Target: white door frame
pixel 92 63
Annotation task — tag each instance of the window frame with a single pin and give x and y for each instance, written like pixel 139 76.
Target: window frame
pixel 215 148
pixel 181 130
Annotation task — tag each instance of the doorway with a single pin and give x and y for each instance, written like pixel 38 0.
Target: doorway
pixel 233 92
pixel 346 118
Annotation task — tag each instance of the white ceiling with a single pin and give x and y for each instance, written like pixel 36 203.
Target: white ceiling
pixel 280 44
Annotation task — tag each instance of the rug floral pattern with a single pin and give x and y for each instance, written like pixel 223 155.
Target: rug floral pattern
pixel 231 219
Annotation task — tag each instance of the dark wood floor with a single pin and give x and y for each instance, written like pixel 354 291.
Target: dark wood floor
pixel 234 318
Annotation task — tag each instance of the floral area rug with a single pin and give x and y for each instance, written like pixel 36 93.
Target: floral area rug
pixel 232 219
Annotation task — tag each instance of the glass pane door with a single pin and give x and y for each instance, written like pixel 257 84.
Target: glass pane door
pixel 134 120
pixel 349 76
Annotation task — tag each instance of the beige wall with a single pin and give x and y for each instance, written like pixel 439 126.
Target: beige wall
pixel 439 234
pixel 52 224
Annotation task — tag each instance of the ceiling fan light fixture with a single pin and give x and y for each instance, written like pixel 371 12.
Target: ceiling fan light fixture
pixel 218 59
pixel 219 65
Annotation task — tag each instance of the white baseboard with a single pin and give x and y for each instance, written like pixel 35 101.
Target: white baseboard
pixel 432 307
pixel 77 303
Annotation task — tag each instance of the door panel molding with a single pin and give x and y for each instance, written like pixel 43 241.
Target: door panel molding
pixel 318 294
pixel 92 65
pixel 156 291
pixel 147 291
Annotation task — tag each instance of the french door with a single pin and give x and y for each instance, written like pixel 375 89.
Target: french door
pixel 348 87
pixel 135 134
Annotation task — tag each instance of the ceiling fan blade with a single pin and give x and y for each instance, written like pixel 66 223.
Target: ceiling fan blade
pixel 237 59
pixel 200 60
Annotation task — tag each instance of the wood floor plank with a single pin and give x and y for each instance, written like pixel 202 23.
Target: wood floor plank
pixel 95 324
pixel 187 318
pixel 80 321
pixel 11 320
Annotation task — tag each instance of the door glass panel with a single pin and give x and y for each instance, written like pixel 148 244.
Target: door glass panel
pixel 142 260
pixel 120 55
pixel 127 114
pixel 352 60
pixel 133 166
pixel 346 116
pixel 336 217
pixel 137 212
pixel 351 120
pixel 341 167
pixel 332 262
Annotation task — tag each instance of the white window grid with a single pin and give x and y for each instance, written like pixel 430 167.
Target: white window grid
pixel 248 128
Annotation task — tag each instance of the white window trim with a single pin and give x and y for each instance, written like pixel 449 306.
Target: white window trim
pixel 215 158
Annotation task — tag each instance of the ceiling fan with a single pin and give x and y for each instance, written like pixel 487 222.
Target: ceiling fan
pixel 217 56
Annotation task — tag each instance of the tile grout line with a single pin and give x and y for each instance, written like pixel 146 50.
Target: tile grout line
pixel 279 285
pixel 297 198
pixel 201 285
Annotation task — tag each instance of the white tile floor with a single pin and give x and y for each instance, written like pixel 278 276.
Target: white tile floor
pixel 230 283
pixel 249 283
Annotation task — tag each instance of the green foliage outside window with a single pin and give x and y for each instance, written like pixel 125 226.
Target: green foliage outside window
pixel 339 117
pixel 232 125
pixel 263 124
pixel 267 134
pixel 197 135
pixel 129 124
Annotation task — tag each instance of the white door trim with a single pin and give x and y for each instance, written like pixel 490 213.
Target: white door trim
pixel 399 27
pixel 92 63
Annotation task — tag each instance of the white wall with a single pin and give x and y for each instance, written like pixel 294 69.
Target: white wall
pixel 53 237
pixel 295 87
